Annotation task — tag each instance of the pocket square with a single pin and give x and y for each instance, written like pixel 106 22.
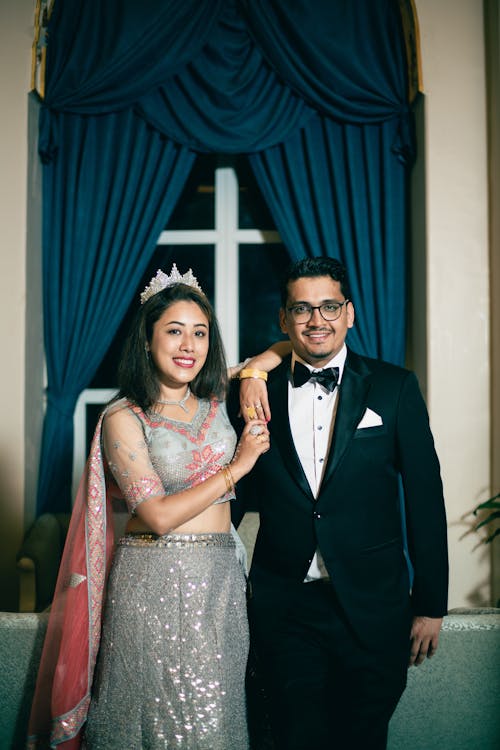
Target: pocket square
pixel 370 419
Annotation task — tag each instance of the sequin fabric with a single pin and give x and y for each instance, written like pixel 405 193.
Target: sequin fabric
pixel 174 647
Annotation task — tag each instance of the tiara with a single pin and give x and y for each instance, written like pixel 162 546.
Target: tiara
pixel 162 281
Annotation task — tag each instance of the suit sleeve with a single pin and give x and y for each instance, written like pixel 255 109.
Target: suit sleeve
pixel 424 503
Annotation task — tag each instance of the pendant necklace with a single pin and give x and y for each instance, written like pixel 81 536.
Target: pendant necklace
pixel 181 402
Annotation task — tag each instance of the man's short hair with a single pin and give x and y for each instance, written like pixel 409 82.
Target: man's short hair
pixel 311 267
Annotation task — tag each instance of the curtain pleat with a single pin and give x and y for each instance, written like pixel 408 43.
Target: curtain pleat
pixel 345 57
pixel 103 56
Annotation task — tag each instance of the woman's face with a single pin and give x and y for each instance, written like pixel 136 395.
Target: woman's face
pixel 179 344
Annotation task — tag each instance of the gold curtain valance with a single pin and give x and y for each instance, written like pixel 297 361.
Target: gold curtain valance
pixel 43 10
pixel 411 33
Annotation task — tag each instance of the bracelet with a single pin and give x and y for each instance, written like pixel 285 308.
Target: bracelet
pixel 250 372
pixel 230 474
pixel 226 472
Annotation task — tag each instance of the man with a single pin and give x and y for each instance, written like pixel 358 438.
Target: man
pixel 334 622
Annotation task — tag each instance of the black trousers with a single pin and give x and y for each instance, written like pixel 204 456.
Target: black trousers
pixel 322 688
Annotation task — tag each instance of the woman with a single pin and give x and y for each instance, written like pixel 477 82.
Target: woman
pixel 172 655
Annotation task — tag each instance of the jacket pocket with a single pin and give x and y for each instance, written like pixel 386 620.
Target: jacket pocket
pixel 368 432
pixel 395 541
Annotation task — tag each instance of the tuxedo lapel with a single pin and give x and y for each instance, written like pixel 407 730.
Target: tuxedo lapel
pixel 279 426
pixel 353 392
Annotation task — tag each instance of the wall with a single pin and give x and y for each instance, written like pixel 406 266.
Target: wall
pixel 456 297
pixel 16 35
pixel 492 29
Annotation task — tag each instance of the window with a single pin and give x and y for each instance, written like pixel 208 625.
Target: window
pixel 222 229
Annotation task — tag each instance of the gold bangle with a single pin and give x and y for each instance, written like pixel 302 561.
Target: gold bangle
pixel 228 477
pixel 250 372
pixel 233 486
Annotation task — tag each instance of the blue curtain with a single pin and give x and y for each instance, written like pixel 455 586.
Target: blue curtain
pixel 336 190
pixel 106 198
pixel 316 93
pixel 228 75
pixel 103 56
pixel 226 99
pixel 346 58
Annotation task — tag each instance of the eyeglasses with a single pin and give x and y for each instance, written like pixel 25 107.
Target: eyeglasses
pixel 303 311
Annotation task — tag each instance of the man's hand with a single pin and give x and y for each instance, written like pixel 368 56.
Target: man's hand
pixel 424 638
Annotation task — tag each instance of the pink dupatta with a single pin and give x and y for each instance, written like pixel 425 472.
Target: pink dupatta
pixel 62 694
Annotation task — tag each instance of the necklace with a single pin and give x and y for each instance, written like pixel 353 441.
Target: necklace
pixel 181 402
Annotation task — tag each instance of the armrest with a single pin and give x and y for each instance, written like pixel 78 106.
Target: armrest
pixel 38 560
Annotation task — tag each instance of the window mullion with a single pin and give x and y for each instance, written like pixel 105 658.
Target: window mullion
pixel 187 237
pixel 226 259
pixel 256 236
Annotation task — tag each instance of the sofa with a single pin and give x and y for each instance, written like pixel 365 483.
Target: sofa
pixel 38 560
pixel 21 640
pixel 452 701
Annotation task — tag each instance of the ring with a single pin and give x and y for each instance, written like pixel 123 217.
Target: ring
pixel 256 430
pixel 251 413
pixel 258 405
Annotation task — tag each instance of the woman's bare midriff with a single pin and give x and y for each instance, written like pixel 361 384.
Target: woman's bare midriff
pixel 215 519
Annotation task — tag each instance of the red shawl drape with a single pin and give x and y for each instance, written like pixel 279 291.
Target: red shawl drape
pixel 62 693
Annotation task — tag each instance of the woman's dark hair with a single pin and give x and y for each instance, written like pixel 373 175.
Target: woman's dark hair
pixel 137 377
pixel 312 267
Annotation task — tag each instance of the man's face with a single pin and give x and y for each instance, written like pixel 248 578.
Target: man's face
pixel 318 340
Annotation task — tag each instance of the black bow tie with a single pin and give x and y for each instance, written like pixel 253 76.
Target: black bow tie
pixel 328 377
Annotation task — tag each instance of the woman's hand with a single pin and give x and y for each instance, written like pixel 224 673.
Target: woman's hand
pixel 254 403
pixel 254 441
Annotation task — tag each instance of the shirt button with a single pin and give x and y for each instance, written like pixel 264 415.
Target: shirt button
pixel 320 427
pixel 320 398
pixel 321 460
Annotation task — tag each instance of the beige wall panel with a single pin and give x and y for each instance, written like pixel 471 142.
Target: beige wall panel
pixel 16 34
pixel 452 40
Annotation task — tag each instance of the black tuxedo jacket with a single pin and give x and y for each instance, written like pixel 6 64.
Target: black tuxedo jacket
pixel 356 519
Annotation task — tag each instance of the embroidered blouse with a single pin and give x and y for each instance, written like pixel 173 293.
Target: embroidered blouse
pixel 151 455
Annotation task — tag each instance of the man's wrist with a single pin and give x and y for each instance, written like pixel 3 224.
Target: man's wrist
pixel 252 372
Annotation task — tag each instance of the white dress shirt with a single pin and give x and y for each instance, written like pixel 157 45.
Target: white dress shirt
pixel 311 410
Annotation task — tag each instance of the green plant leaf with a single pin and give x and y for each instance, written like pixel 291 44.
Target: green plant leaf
pixel 489 519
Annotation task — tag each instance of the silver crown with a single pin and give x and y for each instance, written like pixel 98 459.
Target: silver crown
pixel 162 281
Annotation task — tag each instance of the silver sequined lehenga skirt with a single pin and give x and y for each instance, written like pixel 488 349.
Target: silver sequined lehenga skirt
pixel 171 667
